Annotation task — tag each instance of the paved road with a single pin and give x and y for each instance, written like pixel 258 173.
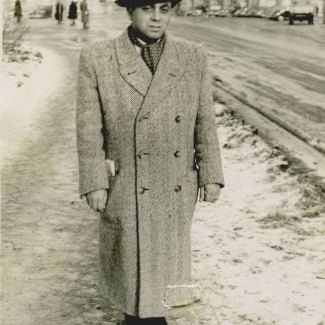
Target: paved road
pixel 277 67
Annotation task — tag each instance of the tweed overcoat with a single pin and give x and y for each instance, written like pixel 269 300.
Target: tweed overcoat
pixel 150 127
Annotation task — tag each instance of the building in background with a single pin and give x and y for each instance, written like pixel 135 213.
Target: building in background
pixel 185 5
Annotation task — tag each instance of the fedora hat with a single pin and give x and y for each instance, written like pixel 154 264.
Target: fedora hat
pixel 139 3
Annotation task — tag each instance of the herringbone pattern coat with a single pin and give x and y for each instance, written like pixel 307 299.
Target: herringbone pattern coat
pixel 150 127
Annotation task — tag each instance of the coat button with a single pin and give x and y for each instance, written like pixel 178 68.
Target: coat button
pixel 144 117
pixel 177 119
pixel 178 188
pixel 143 189
pixel 177 154
pixel 141 154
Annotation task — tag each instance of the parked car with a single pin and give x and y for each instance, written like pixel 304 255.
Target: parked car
pixel 280 14
pixel 269 12
pixel 214 11
pixel 224 13
pixel 260 13
pixel 245 12
pixel 41 12
pixel 195 12
pixel 250 12
pixel 239 12
pixel 301 13
pixel 231 10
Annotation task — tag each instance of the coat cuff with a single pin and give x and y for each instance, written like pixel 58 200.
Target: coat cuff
pixel 92 176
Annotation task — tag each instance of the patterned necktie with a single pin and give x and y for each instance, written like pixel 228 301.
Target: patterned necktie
pixel 150 53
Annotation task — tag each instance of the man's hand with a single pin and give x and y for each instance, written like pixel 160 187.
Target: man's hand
pixel 97 200
pixel 209 192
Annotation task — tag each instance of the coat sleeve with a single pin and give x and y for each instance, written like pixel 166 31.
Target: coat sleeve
pixel 207 152
pixel 90 138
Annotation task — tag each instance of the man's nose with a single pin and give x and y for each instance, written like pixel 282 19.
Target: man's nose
pixel 156 15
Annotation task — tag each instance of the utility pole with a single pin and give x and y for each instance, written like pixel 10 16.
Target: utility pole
pixel 323 11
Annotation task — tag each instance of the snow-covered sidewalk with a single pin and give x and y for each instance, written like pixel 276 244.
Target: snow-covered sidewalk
pixel 29 76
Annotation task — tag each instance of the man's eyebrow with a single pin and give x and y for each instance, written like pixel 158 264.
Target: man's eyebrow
pixel 165 5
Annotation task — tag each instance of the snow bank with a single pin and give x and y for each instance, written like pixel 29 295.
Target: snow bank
pixel 28 76
pixel 259 252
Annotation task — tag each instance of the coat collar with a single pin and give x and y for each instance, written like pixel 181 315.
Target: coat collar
pixel 134 70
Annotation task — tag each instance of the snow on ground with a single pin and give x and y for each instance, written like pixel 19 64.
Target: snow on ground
pixel 258 252
pixel 18 67
pixel 27 76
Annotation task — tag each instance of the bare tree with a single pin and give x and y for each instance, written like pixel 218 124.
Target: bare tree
pixel 12 32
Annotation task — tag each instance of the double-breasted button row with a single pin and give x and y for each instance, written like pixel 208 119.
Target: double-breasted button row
pixel 141 154
pixel 177 154
pixel 177 119
pixel 143 189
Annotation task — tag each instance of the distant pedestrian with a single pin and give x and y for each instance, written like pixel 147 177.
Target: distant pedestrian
pixel 84 13
pixel 59 12
pixel 18 11
pixel 73 12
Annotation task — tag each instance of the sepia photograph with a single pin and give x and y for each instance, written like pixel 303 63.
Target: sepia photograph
pixel 163 162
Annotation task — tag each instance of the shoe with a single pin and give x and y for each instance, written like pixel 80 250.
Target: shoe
pixel 134 320
pixel 159 321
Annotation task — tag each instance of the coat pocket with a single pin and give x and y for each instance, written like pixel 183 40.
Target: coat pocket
pixel 109 223
pixel 110 214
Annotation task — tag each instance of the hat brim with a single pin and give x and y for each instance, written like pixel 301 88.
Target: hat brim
pixel 139 3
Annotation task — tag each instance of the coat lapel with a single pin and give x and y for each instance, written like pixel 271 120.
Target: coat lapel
pixel 165 79
pixel 132 67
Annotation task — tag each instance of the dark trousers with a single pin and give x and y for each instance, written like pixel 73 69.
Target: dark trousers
pixel 134 320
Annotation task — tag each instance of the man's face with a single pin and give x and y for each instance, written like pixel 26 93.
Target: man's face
pixel 151 20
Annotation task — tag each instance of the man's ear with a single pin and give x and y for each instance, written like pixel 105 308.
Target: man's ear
pixel 130 12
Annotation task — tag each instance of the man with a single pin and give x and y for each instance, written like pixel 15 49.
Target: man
pixel 144 106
